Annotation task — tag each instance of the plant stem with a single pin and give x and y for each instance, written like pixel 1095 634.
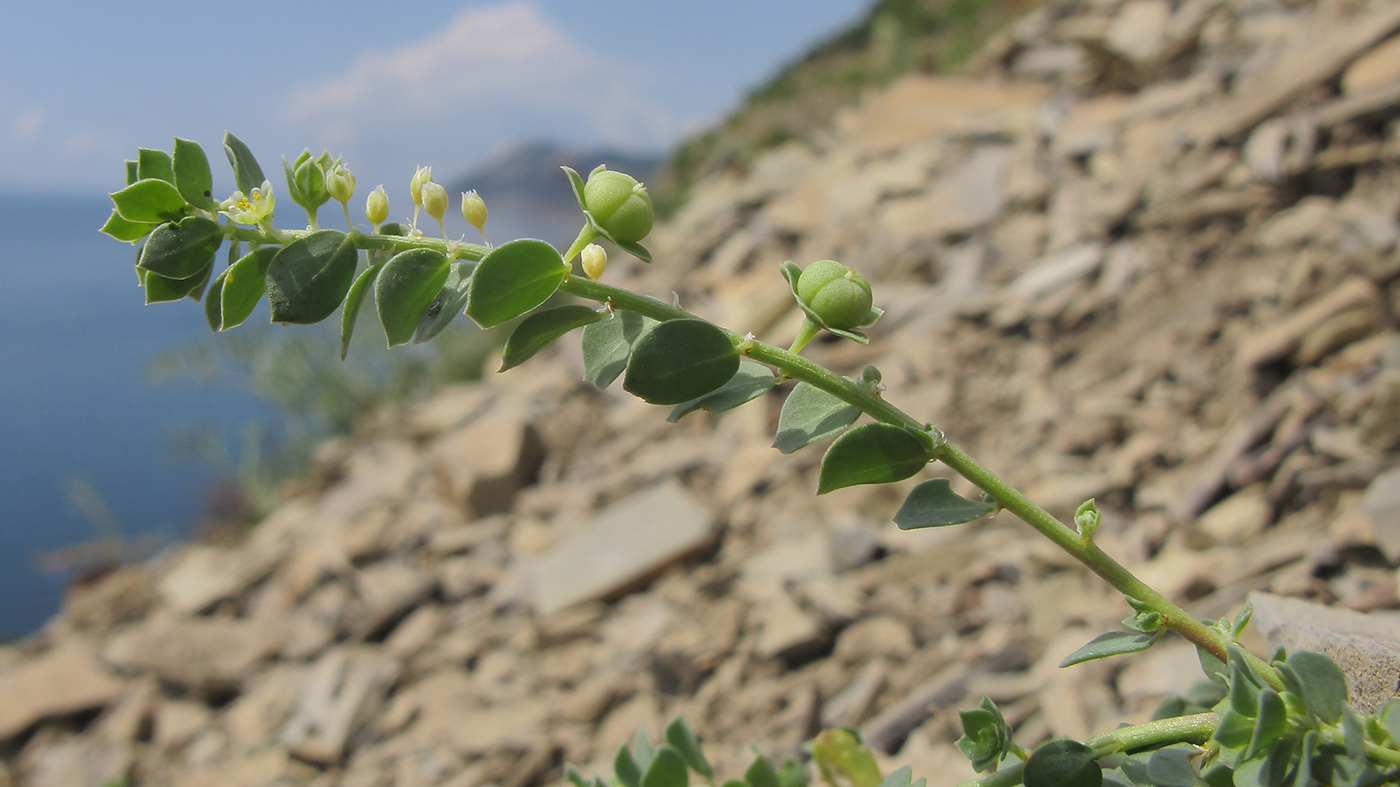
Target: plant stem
pixel 795 366
pixel 463 250
pixel 1182 729
pixel 1082 549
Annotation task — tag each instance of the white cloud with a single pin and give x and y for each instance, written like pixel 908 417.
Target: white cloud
pixel 490 73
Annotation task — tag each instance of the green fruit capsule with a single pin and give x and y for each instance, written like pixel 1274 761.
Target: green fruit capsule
pixel 839 295
pixel 620 205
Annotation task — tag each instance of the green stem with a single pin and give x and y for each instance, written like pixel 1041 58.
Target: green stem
pixel 806 333
pixel 1082 549
pixel 1149 735
pixel 463 250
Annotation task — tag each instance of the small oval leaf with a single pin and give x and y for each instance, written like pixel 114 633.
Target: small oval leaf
pixel 353 301
pixel 541 329
pixel 811 414
pixel 193 179
pixel 214 305
pixel 607 344
pixel 680 360
pixel 309 277
pixel 245 283
pixel 180 250
pixel 871 454
pixel 1324 687
pixel 448 303
pixel 1063 763
pixel 1113 643
pixel 246 172
pixel 680 735
pixel 150 201
pixel 121 229
pixel 152 163
pixel 750 382
pixel 666 769
pixel 934 504
pixel 409 282
pixel 512 279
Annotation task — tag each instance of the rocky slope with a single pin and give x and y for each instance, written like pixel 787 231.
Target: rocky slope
pixel 1143 251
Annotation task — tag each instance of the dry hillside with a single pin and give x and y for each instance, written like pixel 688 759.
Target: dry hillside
pixel 1144 251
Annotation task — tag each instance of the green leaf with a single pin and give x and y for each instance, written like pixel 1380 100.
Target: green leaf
pixel 192 177
pixel 1323 686
pixel 245 283
pixel 512 279
pixel 246 172
pixel 1241 620
pixel 902 777
pixel 635 249
pixel 310 276
pixel 160 289
pixel 1174 766
pixel 121 229
pixel 409 282
pixel 607 345
pixel 760 772
pixel 152 163
pixel 934 504
pixel 750 382
pixel 679 360
pixel 1113 643
pixel 626 768
pixel 1234 732
pixel 871 454
pixel 1063 763
pixel 985 735
pixel 1270 722
pixel 450 301
pixel 682 737
pixel 1389 717
pixel 541 329
pixel 149 201
pixel 353 301
pixel 642 750
pixel 131 176
pixel 811 414
pixel 792 773
pixel 180 250
pixel 576 183
pixel 214 304
pixel 842 758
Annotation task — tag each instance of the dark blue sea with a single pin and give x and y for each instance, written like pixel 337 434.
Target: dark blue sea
pixel 77 408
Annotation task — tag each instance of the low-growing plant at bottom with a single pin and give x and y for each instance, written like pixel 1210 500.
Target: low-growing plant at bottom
pixel 1277 721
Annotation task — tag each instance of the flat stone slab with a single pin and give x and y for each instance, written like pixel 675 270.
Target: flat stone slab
pixel 1366 646
pixel 627 544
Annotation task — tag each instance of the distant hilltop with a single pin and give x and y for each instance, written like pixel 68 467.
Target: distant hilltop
pixel 527 193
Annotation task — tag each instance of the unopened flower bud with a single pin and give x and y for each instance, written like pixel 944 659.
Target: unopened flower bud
pixel 594 260
pixel 474 209
pixel 619 204
pixel 415 186
pixel 434 198
pixel 340 183
pixel 839 295
pixel 377 205
pixel 311 184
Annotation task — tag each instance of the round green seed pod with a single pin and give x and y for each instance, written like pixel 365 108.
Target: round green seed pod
pixel 839 295
pixel 620 205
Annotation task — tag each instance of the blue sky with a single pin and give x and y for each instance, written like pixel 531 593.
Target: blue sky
pixel 83 84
